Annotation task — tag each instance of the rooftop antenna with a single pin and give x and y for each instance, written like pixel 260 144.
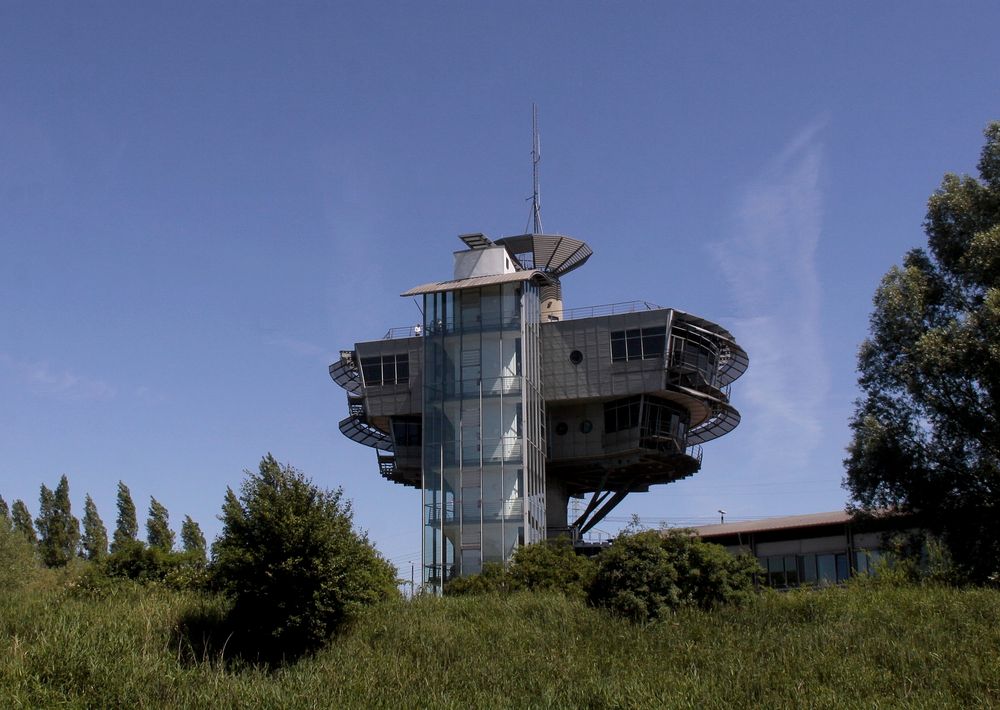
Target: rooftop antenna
pixel 536 158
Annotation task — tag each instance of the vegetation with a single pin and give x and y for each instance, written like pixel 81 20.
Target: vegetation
pixel 94 543
pixel 926 433
pixel 644 575
pixel 58 529
pixel 292 564
pixel 883 646
pixel 648 574
pixel 127 526
pixel 21 520
pixel 17 558
pixel 549 566
pixel 158 532
pixel 192 539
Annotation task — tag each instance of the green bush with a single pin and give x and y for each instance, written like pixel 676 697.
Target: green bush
pixel 647 574
pixel 551 565
pixel 493 579
pixel 18 561
pixel 292 564
pixel 139 563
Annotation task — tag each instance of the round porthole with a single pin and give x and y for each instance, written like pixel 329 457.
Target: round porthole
pixel 576 357
pixel 586 426
pixel 561 428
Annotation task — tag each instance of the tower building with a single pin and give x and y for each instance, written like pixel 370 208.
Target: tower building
pixel 503 404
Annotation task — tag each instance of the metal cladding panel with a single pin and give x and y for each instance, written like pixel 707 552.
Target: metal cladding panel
pixel 596 376
pixel 394 399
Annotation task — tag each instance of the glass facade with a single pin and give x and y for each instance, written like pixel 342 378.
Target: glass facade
pixel 483 429
pixel 828 568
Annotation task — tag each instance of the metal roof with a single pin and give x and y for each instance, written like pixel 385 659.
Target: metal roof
pixel 552 253
pixel 837 517
pixel 476 281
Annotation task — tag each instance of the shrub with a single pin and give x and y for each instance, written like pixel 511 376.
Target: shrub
pixel 292 564
pixel 136 562
pixel 551 565
pixel 493 579
pixel 18 562
pixel 647 574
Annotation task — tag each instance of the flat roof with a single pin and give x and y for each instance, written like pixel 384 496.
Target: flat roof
pixel 837 517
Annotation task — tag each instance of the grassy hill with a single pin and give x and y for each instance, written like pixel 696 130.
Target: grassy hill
pixel 854 647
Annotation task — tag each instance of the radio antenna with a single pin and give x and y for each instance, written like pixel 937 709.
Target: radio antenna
pixel 535 220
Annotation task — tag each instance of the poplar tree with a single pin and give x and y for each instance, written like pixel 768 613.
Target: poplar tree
pixel 127 526
pixel 158 532
pixel 95 535
pixel 4 510
pixel 20 518
pixel 192 539
pixel 58 529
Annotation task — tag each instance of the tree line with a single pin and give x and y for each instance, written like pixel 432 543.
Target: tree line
pixel 57 537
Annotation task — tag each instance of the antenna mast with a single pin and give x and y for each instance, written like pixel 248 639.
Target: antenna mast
pixel 536 158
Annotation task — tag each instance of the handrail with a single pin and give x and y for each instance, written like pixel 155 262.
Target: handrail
pixel 609 309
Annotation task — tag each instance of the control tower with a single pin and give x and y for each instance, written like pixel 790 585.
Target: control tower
pixel 503 404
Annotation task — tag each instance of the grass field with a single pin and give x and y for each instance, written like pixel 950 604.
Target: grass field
pixel 855 647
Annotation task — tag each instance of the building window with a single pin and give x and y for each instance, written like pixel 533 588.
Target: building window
pixel 386 370
pixel 638 344
pixel 576 357
pixel 586 426
pixel 561 429
pixel 621 414
pixel 406 432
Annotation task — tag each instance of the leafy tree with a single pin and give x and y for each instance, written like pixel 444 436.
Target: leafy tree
pixel 127 527
pixel 4 510
pixel 158 532
pixel 58 529
pixel 292 563
pixel 926 431
pixel 646 575
pixel 20 518
pixel 95 536
pixel 192 539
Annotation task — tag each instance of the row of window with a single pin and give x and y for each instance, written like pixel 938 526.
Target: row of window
pixel 654 417
pixel 638 343
pixel 386 370
pixel 829 568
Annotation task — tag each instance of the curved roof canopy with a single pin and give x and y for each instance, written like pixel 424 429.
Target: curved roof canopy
pixel 476 281
pixel 552 253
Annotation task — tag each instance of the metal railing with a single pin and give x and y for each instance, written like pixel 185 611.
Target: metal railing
pixel 609 309
pixel 404 331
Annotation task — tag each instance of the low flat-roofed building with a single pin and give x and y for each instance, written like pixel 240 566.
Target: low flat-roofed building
pixel 817 548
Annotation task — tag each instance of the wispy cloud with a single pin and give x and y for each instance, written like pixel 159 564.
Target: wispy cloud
pixel 44 379
pixel 770 265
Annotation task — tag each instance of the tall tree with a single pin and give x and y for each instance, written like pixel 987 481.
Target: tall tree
pixel 4 510
pixel 127 526
pixel 46 525
pixel 20 518
pixel 192 538
pixel 58 529
pixel 95 535
pixel 158 532
pixel 926 431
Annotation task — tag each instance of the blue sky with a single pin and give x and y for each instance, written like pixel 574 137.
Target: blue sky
pixel 202 203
